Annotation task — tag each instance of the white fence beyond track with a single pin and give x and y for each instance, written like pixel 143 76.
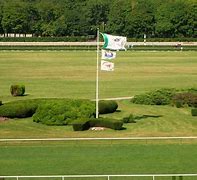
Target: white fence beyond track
pixel 62 177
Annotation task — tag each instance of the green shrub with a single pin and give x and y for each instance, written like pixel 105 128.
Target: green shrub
pixel 187 98
pixel 107 106
pixel 129 119
pixel 157 97
pixel 81 124
pixel 84 124
pixel 194 112
pixel 1 103
pixel 106 122
pixel 17 90
pixel 19 109
pixel 63 112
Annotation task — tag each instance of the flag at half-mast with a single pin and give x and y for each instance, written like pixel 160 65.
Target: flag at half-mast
pixel 108 55
pixel 114 42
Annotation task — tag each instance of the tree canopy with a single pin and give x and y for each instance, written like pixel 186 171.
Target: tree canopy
pixel 133 18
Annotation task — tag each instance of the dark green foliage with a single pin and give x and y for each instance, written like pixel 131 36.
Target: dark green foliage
pixel 194 112
pixel 17 90
pixel 19 109
pixel 1 103
pixel 129 119
pixel 135 18
pixel 107 106
pixel 62 112
pixel 187 98
pixel 83 124
pixel 157 97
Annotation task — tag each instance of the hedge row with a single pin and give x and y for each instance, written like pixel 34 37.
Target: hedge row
pixel 157 97
pixel 168 96
pixel 85 124
pixel 20 109
pixel 54 111
pixel 88 38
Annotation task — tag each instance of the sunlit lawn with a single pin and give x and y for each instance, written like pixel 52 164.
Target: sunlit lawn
pixel 73 74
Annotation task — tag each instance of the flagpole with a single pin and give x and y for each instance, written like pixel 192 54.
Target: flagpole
pixel 97 74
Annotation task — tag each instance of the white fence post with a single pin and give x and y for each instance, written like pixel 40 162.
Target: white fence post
pixel 153 177
pixel 108 178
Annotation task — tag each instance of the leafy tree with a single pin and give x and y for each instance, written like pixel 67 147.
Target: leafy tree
pixel 15 18
pixel 140 20
pixel 117 17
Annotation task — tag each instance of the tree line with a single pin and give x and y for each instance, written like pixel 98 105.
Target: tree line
pixel 131 18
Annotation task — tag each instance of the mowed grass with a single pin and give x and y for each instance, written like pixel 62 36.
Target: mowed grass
pixel 153 121
pixel 97 158
pixel 73 74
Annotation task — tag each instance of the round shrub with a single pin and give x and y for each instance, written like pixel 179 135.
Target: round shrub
pixel 17 90
pixel 107 106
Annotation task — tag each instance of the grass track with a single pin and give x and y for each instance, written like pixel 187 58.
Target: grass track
pixel 97 158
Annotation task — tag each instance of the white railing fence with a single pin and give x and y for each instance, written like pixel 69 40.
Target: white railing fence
pixel 108 177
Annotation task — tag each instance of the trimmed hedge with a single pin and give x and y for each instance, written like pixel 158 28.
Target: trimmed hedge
pixel 107 106
pixel 85 124
pixel 157 97
pixel 19 109
pixel 194 112
pixel 63 112
pixel 17 90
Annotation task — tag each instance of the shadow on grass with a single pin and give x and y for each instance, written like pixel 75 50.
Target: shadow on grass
pixel 146 116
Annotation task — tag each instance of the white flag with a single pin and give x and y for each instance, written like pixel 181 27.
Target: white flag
pixel 107 66
pixel 106 54
pixel 114 42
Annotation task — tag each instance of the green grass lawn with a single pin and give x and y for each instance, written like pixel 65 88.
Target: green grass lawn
pixel 73 74
pixel 159 121
pixel 97 158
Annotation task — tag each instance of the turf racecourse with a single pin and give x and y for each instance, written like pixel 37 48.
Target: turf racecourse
pixel 72 75
pixel 77 158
